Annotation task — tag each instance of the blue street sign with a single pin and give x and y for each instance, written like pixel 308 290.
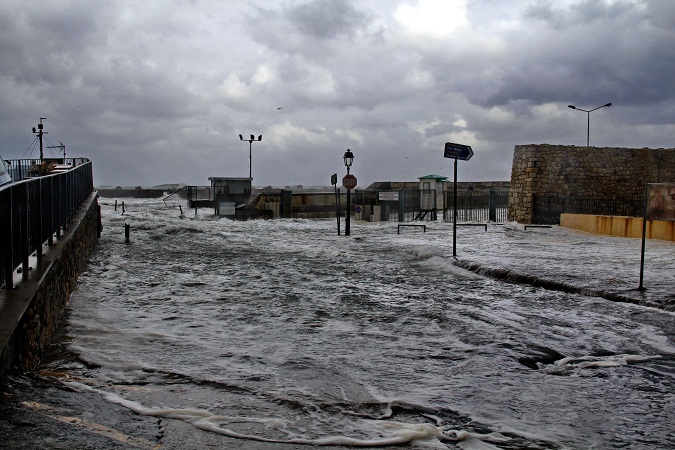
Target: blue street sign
pixel 458 151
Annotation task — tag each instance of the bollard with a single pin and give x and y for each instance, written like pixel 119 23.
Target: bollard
pixel 181 209
pixel 122 207
pixel 115 205
pixel 127 232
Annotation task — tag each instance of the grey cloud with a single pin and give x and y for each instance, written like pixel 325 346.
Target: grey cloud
pixel 327 19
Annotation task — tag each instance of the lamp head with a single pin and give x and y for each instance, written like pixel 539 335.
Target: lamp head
pixel 349 158
pixel 572 106
pixel 241 137
pixel 260 137
pixel 252 138
pixel 608 104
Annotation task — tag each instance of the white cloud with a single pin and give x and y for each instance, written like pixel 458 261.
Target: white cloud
pixel 233 88
pixel 432 18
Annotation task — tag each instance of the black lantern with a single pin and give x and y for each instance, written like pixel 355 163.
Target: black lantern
pixel 349 159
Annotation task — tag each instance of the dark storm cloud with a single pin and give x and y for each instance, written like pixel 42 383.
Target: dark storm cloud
pixel 159 91
pixel 327 19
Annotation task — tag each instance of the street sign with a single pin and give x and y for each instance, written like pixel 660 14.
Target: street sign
pixel 458 151
pixel 349 182
pixel 388 196
pixel 333 179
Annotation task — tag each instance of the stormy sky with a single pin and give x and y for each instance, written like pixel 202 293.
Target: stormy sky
pixel 158 91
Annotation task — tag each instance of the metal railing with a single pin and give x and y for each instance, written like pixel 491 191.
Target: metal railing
pixel 549 207
pixel 33 210
pixel 478 206
pixel 472 206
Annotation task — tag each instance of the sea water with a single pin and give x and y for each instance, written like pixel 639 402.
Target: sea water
pixel 283 331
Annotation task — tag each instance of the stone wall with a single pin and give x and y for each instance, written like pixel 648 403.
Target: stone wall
pixel 46 295
pixel 574 171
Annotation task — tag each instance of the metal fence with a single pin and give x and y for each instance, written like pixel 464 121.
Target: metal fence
pixel 411 204
pixel 477 206
pixel 549 207
pixel 33 210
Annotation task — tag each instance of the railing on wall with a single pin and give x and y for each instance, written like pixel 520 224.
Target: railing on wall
pixel 34 210
pixel 547 208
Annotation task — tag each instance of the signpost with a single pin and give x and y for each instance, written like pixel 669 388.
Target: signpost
pixel 458 151
pixel 349 182
pixel 659 205
pixel 463 152
pixel 333 181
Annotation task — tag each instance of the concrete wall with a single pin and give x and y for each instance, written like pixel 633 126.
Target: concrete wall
pixel 30 312
pixel 572 171
pixel 630 227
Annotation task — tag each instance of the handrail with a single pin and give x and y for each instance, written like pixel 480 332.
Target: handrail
pixel 33 210
pixel 172 194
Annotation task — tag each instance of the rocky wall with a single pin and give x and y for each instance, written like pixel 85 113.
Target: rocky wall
pixel 574 171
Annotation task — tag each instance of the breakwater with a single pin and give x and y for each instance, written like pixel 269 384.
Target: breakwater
pixel 29 313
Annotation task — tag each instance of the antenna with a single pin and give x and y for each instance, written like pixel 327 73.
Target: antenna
pixel 63 149
pixel 40 133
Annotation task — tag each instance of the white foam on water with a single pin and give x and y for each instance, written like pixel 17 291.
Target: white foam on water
pixel 388 433
pixel 593 362
pixel 289 320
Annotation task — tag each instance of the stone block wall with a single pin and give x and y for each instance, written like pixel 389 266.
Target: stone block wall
pixel 573 171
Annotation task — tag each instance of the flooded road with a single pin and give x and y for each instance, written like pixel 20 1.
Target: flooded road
pixel 281 333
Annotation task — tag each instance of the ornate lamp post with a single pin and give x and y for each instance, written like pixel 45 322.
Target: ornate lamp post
pixel 250 161
pixel 349 159
pixel 588 115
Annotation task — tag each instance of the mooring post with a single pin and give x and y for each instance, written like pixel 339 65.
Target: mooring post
pixel 127 232
pixel 115 205
pixel 122 207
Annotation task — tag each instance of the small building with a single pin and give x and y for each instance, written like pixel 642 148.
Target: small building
pixel 431 194
pixel 228 193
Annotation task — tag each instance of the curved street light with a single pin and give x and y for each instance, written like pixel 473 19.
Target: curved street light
pixel 250 161
pixel 588 115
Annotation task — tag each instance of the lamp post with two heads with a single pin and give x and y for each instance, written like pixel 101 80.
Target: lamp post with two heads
pixel 588 114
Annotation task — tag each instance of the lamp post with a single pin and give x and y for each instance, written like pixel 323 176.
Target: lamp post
pixel 588 115
pixel 250 161
pixel 349 159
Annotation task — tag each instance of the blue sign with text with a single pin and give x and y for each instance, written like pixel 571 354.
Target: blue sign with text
pixel 458 151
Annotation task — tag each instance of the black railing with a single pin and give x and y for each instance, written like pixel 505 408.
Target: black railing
pixel 34 210
pixel 476 205
pixel 549 207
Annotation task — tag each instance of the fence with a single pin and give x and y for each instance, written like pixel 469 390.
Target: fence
pixel 478 206
pixel 33 210
pixel 411 204
pixel 548 207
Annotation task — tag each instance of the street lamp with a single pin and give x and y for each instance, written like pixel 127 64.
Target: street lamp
pixel 588 115
pixel 250 144
pixel 349 159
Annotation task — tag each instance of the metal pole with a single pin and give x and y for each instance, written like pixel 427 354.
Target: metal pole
pixel 588 129
pixel 347 214
pixel 644 234
pixel 250 161
pixel 454 220
pixel 337 205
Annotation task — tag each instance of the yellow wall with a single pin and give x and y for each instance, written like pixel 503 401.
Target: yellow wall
pixel 619 226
